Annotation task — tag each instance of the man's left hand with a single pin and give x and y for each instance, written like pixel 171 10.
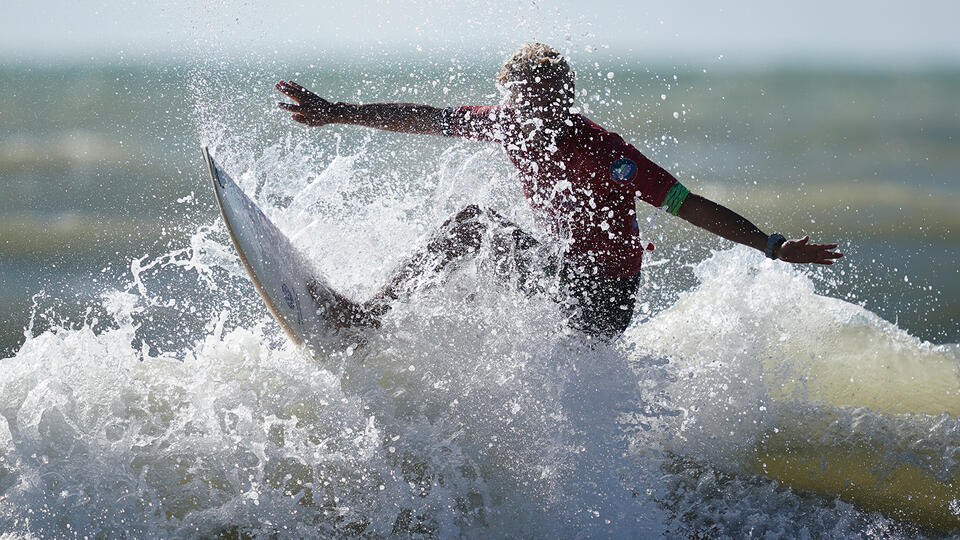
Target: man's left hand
pixel 801 251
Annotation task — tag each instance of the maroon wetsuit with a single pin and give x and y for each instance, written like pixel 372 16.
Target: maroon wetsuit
pixel 584 183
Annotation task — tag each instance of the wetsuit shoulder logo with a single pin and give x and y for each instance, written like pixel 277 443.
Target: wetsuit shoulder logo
pixel 623 169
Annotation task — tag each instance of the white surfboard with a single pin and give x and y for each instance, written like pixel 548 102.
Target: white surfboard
pixel 280 273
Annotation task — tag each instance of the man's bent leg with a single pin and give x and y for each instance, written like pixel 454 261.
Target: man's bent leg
pixel 342 312
pixel 457 238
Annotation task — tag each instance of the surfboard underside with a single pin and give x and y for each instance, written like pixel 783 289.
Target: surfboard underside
pixel 279 272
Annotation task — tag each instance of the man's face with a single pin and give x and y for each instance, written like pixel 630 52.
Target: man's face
pixel 544 98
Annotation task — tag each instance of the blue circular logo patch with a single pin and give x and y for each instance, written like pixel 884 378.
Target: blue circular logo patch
pixel 623 169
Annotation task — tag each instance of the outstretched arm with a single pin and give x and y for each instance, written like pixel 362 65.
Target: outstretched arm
pixel 724 222
pixel 313 110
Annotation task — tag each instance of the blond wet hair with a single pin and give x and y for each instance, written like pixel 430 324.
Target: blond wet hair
pixel 536 60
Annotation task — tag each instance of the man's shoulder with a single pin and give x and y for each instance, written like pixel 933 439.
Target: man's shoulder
pixel 588 125
pixel 589 131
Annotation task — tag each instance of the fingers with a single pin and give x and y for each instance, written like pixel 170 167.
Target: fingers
pixel 825 251
pixel 291 107
pixel 799 251
pixel 289 86
pixel 299 112
pixel 286 90
pixel 822 247
pixel 293 91
pixel 822 255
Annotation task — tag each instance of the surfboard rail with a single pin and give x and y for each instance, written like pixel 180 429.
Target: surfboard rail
pixel 298 298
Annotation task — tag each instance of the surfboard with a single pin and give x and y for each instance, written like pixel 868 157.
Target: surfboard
pixel 280 273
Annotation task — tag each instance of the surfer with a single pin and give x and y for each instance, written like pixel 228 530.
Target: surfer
pixel 580 178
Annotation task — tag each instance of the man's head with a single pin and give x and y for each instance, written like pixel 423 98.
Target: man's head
pixel 539 81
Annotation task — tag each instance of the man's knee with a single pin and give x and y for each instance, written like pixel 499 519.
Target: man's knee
pixel 522 240
pixel 469 213
pixel 466 227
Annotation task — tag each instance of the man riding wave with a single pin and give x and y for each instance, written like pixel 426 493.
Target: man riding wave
pixel 579 178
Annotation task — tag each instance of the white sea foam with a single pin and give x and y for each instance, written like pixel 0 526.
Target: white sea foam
pixel 471 414
pixel 452 422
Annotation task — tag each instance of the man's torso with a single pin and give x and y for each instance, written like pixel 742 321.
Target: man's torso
pixel 582 181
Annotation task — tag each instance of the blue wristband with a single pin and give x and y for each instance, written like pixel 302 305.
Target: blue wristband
pixel 774 241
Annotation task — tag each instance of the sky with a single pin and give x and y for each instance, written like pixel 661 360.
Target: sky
pixel 870 32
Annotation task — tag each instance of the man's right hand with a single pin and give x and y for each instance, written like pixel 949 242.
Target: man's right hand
pixel 309 109
pixel 313 110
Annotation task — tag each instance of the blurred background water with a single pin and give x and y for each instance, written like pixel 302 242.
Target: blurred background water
pixel 95 157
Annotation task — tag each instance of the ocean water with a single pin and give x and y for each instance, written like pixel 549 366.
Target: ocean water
pixel 146 392
pixel 94 159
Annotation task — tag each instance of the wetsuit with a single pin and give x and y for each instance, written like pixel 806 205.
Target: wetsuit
pixel 583 184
